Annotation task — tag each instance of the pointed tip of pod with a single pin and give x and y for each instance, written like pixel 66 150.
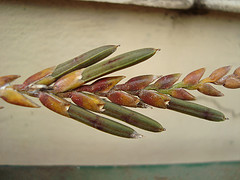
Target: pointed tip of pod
pixel 136 135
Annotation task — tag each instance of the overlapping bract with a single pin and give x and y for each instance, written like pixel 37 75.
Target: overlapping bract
pixel 105 95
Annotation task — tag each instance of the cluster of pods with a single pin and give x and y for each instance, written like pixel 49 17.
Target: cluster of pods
pixel 80 79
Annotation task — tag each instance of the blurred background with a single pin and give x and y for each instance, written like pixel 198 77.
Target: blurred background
pixel 38 34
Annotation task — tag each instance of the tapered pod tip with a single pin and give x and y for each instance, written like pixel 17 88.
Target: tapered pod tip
pixel 135 135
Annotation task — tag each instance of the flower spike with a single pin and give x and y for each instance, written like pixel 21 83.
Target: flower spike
pixel 77 89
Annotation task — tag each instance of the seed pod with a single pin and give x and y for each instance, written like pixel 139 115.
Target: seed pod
pixel 167 81
pixel 123 98
pixel 116 63
pixel 1 107
pixel 131 117
pixel 84 60
pixel 88 101
pixel 7 79
pixel 101 123
pixel 152 98
pixel 196 110
pixel 14 97
pixel 207 89
pixel 54 103
pixel 193 77
pixel 136 83
pixel 69 81
pixel 237 72
pixel 181 93
pixel 102 86
pixel 219 73
pixel 37 78
pixel 232 82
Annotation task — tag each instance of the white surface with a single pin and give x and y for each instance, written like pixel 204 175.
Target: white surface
pixel 176 4
pixel 220 5
pixel 36 35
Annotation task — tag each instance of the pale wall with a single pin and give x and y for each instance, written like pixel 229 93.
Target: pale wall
pixel 37 35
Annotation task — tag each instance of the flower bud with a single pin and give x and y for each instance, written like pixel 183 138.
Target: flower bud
pixel 167 81
pixel 219 73
pixel 55 103
pixel 123 98
pixel 7 79
pixel 209 90
pixel 88 101
pixel 193 77
pixel 36 78
pixel 181 93
pixel 103 85
pixel 152 98
pixel 232 82
pixel 137 83
pixel 14 97
pixel 69 81
pixel 237 72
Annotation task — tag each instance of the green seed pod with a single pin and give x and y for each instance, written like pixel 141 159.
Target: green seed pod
pixel 131 117
pixel 101 123
pixel 116 63
pixel 196 110
pixel 84 60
